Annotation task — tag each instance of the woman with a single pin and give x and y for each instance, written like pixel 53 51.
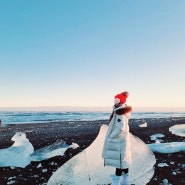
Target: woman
pixel 116 151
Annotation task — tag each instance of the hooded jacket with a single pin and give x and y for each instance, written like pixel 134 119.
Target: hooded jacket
pixel 116 150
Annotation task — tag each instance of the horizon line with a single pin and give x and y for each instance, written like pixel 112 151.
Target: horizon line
pixel 90 108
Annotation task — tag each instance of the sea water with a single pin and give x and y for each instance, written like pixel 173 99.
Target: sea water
pixel 18 117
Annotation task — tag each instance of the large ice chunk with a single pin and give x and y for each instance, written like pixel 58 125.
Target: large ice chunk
pixel 88 166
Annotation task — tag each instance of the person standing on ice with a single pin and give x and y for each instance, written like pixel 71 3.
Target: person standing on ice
pixel 116 150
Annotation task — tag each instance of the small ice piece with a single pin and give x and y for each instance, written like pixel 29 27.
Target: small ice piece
pixel 178 130
pixel 143 125
pixel 162 165
pixel 39 165
pixel 167 147
pixel 11 182
pixel 172 162
pixel 158 141
pixel 74 146
pixel 44 170
pixel 56 149
pixel 183 166
pixel 165 181
pixel 156 136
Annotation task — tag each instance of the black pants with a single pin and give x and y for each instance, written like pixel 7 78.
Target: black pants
pixel 120 171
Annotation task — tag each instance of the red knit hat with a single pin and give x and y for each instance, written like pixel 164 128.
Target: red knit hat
pixel 121 98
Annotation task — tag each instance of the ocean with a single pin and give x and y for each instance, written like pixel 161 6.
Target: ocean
pixel 20 117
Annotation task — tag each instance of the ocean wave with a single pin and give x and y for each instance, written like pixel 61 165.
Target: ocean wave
pixel 40 117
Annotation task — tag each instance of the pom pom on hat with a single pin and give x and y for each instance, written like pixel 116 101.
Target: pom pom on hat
pixel 121 98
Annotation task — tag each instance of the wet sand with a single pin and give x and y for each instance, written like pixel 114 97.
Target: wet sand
pixel 84 133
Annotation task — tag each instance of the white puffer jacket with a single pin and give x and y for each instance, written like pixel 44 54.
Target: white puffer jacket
pixel 116 150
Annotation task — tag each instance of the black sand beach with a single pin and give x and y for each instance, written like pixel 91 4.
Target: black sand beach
pixel 84 133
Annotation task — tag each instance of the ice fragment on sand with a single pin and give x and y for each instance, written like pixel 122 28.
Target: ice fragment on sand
pixel 156 136
pixel 44 170
pixel 178 130
pixel 18 155
pixel 165 181
pixel 56 149
pixel 162 165
pixel 143 125
pixel 39 165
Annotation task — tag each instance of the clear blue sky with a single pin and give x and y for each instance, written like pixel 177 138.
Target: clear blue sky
pixel 83 52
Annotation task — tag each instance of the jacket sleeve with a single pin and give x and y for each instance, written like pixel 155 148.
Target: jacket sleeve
pixel 116 132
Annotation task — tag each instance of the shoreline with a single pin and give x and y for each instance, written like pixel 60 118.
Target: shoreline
pixel 84 133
